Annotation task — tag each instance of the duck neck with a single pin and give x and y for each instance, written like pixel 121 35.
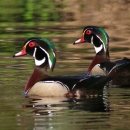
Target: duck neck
pixel 101 56
pixel 38 74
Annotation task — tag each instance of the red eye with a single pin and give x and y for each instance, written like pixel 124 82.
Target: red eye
pixel 31 44
pixel 88 32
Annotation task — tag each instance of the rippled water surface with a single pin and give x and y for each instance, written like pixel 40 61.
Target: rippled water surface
pixel 61 22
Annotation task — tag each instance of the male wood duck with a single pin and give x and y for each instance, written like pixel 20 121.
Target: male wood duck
pixel 42 84
pixel 101 63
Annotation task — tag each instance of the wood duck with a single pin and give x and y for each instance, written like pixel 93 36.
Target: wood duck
pixel 101 63
pixel 42 84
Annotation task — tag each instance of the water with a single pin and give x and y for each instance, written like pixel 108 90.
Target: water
pixel 62 23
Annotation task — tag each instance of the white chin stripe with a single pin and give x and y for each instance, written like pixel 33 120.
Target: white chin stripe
pixel 97 49
pixel 40 62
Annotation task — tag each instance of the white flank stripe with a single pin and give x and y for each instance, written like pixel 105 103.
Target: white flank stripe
pixel 112 69
pixel 63 85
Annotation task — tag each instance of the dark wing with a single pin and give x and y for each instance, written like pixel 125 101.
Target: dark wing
pixel 92 85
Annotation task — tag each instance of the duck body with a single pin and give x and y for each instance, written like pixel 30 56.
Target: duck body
pixel 101 63
pixel 68 86
pixel 64 86
pixel 117 68
pixel 42 84
pixel 77 86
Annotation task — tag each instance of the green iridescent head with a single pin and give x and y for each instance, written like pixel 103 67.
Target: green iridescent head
pixel 41 49
pixel 96 36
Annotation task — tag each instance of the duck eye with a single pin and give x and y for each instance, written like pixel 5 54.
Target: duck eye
pixel 31 44
pixel 88 32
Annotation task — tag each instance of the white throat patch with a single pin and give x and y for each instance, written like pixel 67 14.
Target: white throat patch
pixel 97 49
pixel 38 62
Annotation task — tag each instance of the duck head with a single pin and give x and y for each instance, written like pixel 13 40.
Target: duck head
pixel 96 36
pixel 41 49
pixel 44 54
pixel 99 39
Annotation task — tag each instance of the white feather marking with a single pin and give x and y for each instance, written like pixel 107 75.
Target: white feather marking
pixel 63 85
pixel 97 49
pixel 102 42
pixel 98 65
pixel 73 86
pixel 86 30
pixel 79 81
pixel 113 68
pixel 28 42
pixel 38 62
pixel 34 52
pixel 50 63
pixel 53 52
pixel 97 70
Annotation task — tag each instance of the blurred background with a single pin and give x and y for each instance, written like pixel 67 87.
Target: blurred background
pixel 61 22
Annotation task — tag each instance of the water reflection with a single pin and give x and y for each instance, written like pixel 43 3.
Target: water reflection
pixel 48 113
pixel 61 22
pixel 91 103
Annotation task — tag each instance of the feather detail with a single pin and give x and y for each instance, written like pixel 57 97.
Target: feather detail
pixel 48 89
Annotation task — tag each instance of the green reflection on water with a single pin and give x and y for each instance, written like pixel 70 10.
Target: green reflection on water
pixel 62 23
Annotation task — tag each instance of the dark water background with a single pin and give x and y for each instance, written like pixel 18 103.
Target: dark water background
pixel 61 21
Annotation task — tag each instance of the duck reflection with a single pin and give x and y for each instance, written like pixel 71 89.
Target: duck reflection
pixel 43 106
pixel 51 112
pixel 49 105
